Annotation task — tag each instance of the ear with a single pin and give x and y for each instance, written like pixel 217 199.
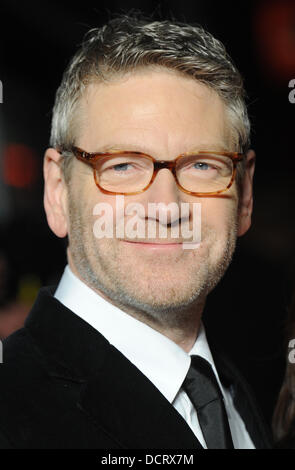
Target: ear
pixel 246 197
pixel 55 193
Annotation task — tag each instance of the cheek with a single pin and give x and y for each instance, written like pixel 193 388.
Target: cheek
pixel 219 214
pixel 102 214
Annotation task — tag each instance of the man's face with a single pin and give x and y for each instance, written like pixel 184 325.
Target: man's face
pixel 164 115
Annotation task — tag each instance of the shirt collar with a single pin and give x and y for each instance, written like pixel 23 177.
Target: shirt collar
pixel 161 360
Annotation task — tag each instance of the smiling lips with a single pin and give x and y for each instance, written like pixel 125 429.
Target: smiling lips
pixel 158 245
pixel 152 243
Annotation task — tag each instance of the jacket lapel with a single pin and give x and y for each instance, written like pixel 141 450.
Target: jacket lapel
pixel 130 408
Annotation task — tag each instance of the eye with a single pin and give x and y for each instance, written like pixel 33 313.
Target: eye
pixel 201 166
pixel 121 167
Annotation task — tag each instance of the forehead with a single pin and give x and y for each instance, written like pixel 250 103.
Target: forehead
pixel 155 111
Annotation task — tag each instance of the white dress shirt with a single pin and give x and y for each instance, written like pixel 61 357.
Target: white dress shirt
pixel 161 360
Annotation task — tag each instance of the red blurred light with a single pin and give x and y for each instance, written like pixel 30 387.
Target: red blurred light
pixel 20 165
pixel 275 31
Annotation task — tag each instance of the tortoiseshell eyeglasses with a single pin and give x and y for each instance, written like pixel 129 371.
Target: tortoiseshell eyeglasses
pixel 126 172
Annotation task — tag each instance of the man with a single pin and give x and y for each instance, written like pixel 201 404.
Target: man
pixel 116 355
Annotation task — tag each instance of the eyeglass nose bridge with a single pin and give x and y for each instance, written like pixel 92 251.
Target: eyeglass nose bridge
pixel 169 165
pixel 162 164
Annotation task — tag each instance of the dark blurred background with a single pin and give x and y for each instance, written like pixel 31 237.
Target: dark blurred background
pixel 247 311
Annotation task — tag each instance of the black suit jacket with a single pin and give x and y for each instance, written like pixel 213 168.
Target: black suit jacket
pixel 62 385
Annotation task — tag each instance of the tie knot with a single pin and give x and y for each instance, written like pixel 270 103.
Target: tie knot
pixel 201 382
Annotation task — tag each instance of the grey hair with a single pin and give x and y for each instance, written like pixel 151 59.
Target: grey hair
pixel 128 43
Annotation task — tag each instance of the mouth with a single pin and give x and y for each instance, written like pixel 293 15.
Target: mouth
pixel 158 245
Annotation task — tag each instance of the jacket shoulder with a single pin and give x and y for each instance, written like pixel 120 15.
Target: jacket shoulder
pixel 39 398
pixel 21 361
pixel 22 369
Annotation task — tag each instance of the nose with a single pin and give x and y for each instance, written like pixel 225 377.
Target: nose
pixel 166 195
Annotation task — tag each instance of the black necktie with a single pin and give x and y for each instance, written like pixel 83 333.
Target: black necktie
pixel 203 390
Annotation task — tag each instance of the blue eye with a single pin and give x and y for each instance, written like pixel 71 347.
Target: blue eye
pixel 121 167
pixel 201 166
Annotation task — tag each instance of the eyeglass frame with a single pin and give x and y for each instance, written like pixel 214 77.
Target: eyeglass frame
pixel 91 158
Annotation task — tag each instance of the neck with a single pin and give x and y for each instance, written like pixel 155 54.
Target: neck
pixel 184 337
pixel 184 334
